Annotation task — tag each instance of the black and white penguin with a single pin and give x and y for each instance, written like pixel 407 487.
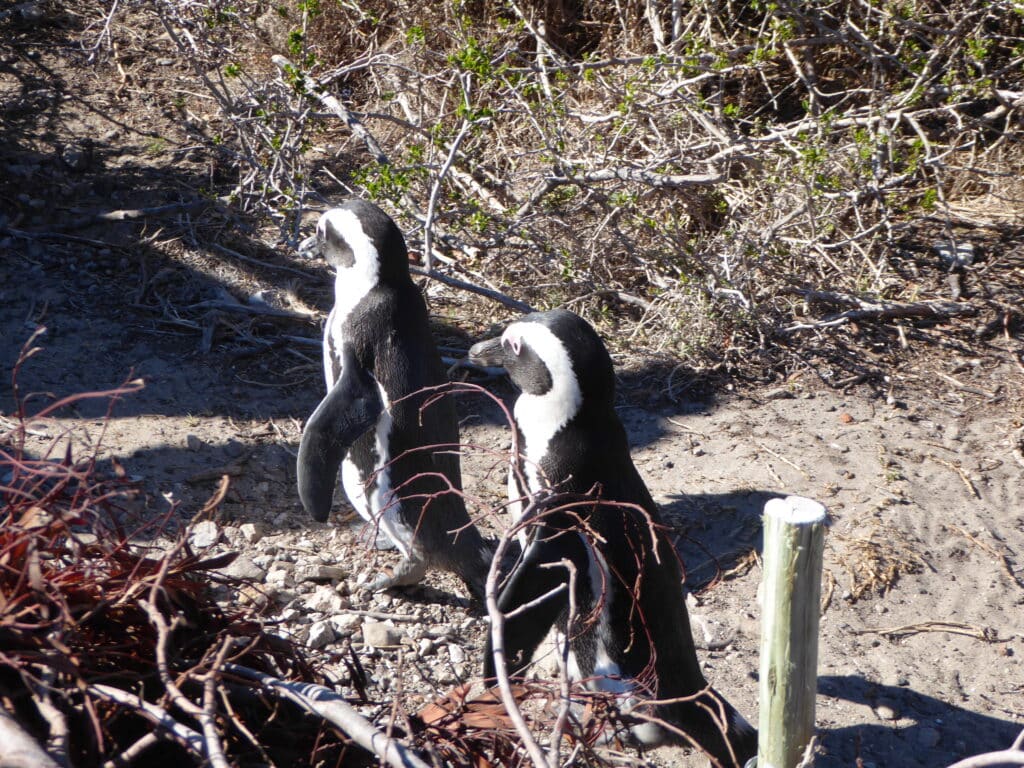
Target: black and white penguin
pixel 399 460
pixel 637 642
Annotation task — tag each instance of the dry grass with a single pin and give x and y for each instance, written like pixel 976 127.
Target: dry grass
pixel 875 560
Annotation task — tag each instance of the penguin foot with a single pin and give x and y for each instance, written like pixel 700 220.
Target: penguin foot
pixel 408 572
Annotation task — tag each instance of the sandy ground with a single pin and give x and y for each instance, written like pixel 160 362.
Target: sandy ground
pixel 922 627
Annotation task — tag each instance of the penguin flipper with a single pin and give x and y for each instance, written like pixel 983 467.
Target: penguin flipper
pixel 345 414
pixel 539 572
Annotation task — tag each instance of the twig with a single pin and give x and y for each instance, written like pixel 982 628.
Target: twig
pixel 157 715
pixel 497 629
pixel 335 106
pixel 1003 559
pixel 325 703
pixel 866 310
pixel 960 471
pixel 501 298
pixel 987 634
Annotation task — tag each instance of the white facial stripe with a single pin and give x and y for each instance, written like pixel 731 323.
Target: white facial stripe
pixel 541 416
pixel 512 338
pixel 351 284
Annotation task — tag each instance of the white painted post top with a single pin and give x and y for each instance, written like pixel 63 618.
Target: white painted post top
pixel 795 510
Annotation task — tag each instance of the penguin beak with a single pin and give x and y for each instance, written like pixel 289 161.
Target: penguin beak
pixel 309 248
pixel 490 353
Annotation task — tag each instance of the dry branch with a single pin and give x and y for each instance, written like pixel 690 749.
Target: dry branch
pixel 862 309
pixel 325 703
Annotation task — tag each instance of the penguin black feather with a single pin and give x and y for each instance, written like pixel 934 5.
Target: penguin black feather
pixel 599 516
pixel 399 459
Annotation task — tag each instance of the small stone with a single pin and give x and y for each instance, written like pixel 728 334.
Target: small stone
pixel 456 654
pixel 320 572
pixel 279 578
pixel 320 634
pixel 243 567
pixel 324 600
pixel 697 451
pixel 839 447
pixel 233 449
pixel 203 534
pixel 193 443
pixel 426 647
pixel 379 634
pixel 886 711
pixel 75 158
pixel 346 624
pixel 251 532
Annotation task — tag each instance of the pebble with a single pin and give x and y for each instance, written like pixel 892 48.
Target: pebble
pixel 346 624
pixel 320 634
pixel 886 711
pixel 379 634
pixel 320 572
pixel 204 534
pixel 75 158
pixel 426 647
pixel 324 599
pixel 456 654
pixel 193 443
pixel 251 532
pixel 244 567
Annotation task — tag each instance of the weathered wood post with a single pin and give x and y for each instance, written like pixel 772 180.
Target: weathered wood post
pixel 794 536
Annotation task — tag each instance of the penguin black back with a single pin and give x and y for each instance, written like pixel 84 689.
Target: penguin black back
pixel 401 472
pixel 573 441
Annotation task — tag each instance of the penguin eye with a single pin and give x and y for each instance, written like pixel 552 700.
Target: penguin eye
pixel 515 344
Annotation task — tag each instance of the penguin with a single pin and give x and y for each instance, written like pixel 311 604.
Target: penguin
pixel 395 442
pixel 582 500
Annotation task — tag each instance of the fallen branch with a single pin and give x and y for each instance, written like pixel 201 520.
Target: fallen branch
pixel 501 298
pixel 862 309
pixel 157 715
pixel 988 634
pixel 327 704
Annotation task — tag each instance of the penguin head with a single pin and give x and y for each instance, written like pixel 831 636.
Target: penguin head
pixel 552 352
pixel 358 236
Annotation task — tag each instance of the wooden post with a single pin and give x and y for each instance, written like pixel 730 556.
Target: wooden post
pixel 794 537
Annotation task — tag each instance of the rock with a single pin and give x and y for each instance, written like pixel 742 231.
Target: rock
pixel 320 572
pixel 243 567
pixel 320 634
pixel 193 443
pixel 233 449
pixel 279 578
pixel 886 710
pixel 456 654
pixel 346 624
pixel 379 634
pixel 251 532
pixel 426 647
pixel 324 599
pixel 203 534
pixel 75 158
